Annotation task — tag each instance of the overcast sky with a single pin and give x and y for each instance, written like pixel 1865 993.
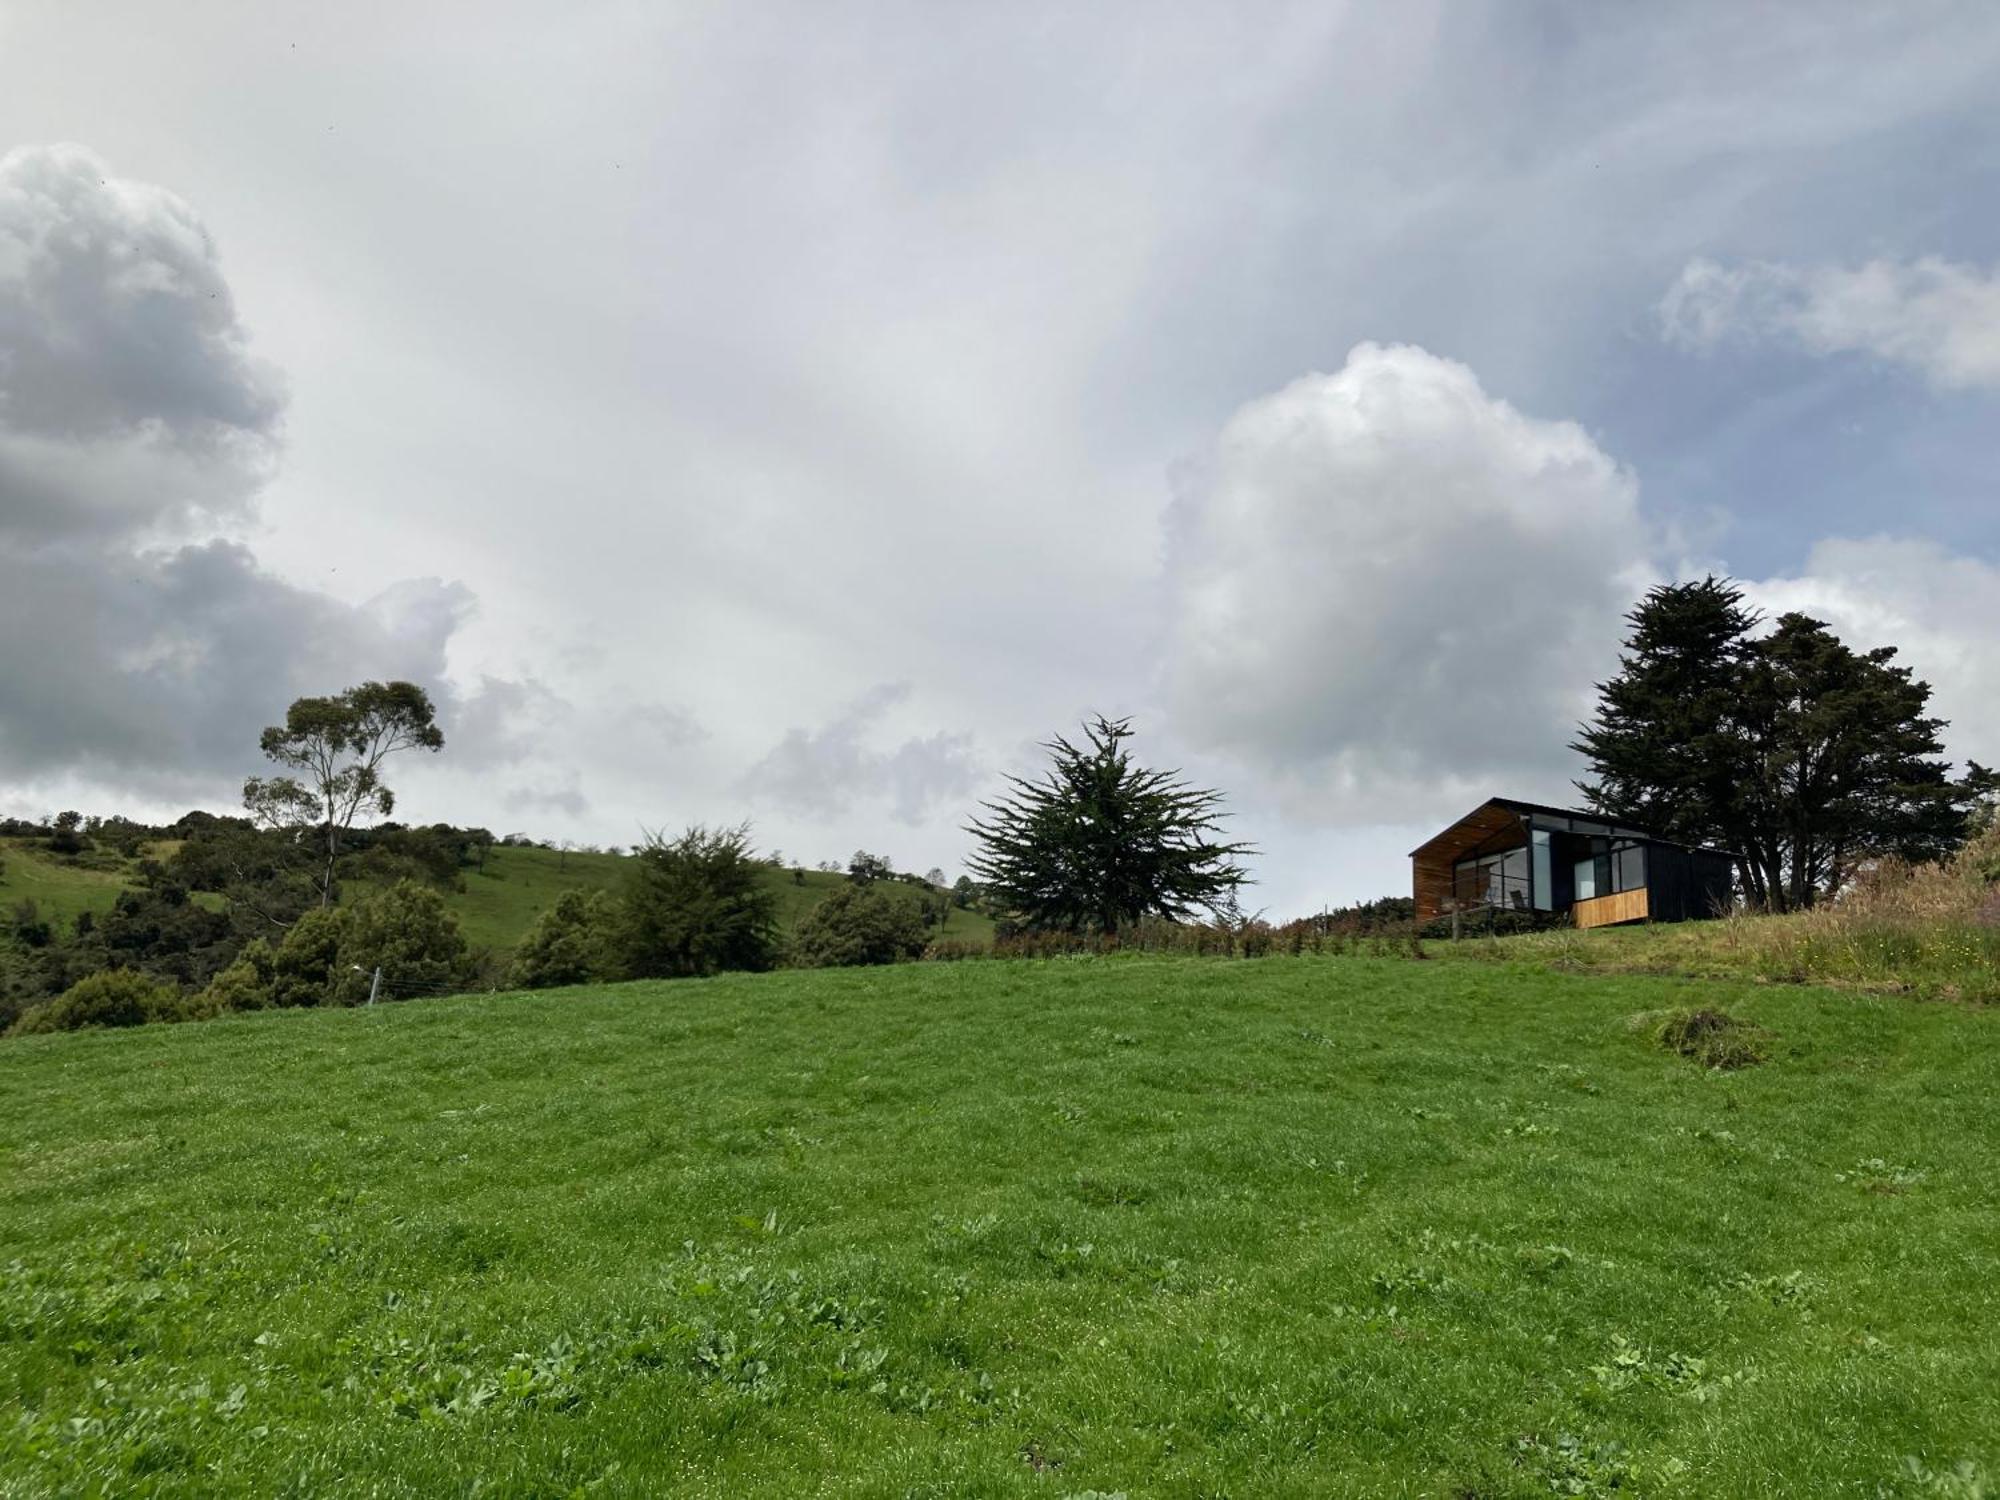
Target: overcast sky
pixel 793 413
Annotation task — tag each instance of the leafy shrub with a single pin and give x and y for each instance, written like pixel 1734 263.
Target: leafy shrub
pixel 697 904
pixel 247 983
pixel 302 967
pixel 570 943
pixel 408 933
pixel 1712 1038
pixel 110 997
pixel 859 924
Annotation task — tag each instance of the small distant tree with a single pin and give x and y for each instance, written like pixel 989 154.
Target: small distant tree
pixel 934 877
pixel 697 904
pixel 865 868
pixel 964 893
pixel 66 834
pixel 858 924
pixel 335 748
pixel 1100 842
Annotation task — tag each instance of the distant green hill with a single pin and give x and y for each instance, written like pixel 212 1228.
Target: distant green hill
pixel 495 909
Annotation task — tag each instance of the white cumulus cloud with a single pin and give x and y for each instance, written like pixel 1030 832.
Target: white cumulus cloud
pixel 1940 610
pixel 1389 587
pixel 1937 317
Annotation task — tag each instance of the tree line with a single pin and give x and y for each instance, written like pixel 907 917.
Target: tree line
pixel 1808 760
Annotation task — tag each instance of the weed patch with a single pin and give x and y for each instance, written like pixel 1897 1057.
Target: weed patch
pixel 1713 1039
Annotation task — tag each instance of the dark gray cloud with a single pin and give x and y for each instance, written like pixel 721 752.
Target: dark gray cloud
pixel 131 415
pixel 164 665
pixel 128 396
pixel 819 774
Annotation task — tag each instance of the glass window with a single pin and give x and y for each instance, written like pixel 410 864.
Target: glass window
pixel 1544 885
pixel 1586 879
pixel 1631 875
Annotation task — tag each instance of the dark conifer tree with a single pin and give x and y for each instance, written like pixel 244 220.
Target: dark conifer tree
pixel 1099 842
pixel 1664 750
pixel 1804 756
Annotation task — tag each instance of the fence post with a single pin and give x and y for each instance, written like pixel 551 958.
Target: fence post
pixel 375 986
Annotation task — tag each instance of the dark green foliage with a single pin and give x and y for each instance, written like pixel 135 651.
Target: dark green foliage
pixel 110 997
pixel 858 925
pixel 1712 1038
pixel 303 966
pixel 1100 842
pixel 1664 750
pixel 573 942
pixel 31 928
pixel 337 745
pixel 405 931
pixel 1803 756
pixel 66 835
pixel 249 983
pixel 330 955
pixel 155 929
pixel 697 904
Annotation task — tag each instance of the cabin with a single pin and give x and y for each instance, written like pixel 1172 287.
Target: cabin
pixel 1508 856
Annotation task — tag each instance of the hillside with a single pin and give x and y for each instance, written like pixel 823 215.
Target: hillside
pixel 495 909
pixel 1293 1227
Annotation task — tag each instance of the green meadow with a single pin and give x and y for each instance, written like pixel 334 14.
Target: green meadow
pixel 1139 1226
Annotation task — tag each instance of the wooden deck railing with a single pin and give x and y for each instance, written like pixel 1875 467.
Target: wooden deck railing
pixel 1602 911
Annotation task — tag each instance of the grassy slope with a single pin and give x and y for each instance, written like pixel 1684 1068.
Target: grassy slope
pixel 60 890
pixel 496 908
pixel 1297 1227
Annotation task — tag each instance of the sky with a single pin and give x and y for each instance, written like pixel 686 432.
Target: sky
pixel 796 413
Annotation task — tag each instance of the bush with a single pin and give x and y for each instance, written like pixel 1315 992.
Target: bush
pixel 247 983
pixel 697 905
pixel 405 931
pixel 302 967
pixel 110 997
pixel 1712 1038
pixel 859 924
pixel 571 943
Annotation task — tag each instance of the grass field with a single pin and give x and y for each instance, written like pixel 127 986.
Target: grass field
pixel 1152 1226
pixel 495 910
